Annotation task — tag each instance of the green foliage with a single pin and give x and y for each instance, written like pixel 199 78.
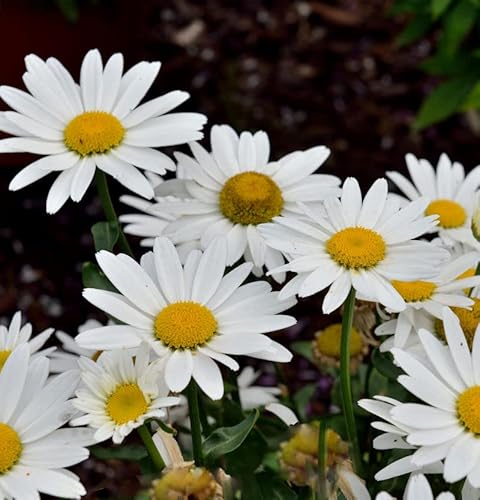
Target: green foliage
pixel 227 439
pixel 456 26
pixel 124 452
pixel 92 277
pixel 304 348
pixel 105 235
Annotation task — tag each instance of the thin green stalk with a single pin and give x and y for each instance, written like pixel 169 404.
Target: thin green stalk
pixel 322 459
pixel 477 272
pixel 194 412
pixel 109 210
pixel 345 382
pixel 151 448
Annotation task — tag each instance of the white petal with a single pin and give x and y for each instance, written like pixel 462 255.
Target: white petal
pixel 208 376
pixel 178 370
pixel 283 413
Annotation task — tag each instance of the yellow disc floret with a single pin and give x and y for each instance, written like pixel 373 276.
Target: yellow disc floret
pixel 356 248
pixel 450 213
pixel 126 403
pixel 93 132
pixel 185 325
pixel 192 483
pixel 468 409
pixel 10 448
pixel 250 198
pixel 327 341
pixel 469 320
pixel 414 291
pixel 3 357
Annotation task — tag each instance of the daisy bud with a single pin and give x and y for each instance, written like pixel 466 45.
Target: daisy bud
pixel 186 483
pixel 326 346
pixel 298 456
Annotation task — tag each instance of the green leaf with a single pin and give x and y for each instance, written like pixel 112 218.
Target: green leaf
pixel 445 100
pixel 273 488
pixel 383 362
pixel 301 399
pixel 92 277
pixel 227 439
pixel 69 9
pixel 132 453
pixel 248 456
pixel 439 7
pixel 457 24
pixel 415 29
pixel 105 235
pixel 304 348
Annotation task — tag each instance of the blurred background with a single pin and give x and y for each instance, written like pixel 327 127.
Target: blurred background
pixel 371 79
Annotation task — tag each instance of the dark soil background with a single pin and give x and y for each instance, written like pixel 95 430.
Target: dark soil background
pixel 307 72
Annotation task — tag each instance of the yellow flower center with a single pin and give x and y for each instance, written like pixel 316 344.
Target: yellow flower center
pixel 126 403
pixel 10 448
pixel 250 198
pixel 327 341
pixel 356 248
pixel 194 483
pixel 3 357
pixel 450 213
pixel 93 132
pixel 468 409
pixel 185 325
pixel 469 320
pixel 469 273
pixel 414 291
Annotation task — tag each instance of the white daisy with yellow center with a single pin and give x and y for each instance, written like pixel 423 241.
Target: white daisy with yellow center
pixel 236 187
pixel 190 314
pixel 425 300
pixel 15 334
pixel 34 449
pixel 96 124
pixel 450 195
pixel 354 243
pixel 447 426
pixel 120 391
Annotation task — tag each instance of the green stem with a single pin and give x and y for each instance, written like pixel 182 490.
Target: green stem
pixel 194 412
pixel 151 448
pixel 477 272
pixel 322 458
pixel 109 210
pixel 345 382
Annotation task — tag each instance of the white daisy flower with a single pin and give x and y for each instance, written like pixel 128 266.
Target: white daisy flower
pixel 354 243
pixel 425 300
pixel 98 123
pixel 15 335
pixel 450 195
pixel 255 396
pixel 34 451
pixel 233 189
pixel 191 314
pixel 120 392
pixel 418 488
pixel 447 425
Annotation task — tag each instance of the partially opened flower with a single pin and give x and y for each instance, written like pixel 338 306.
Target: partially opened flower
pixel 191 315
pixel 356 243
pixel 446 426
pixel 236 187
pixel 120 392
pixel 450 195
pixel 15 335
pixel 34 451
pixel 97 124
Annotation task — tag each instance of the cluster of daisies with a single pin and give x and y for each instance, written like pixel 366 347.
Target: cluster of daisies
pixel 231 242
